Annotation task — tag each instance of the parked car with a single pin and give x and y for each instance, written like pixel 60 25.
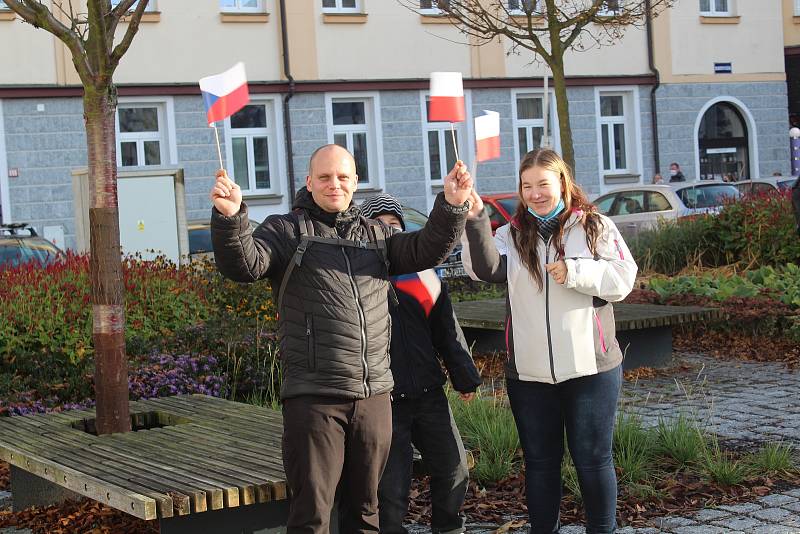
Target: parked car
pixel 640 207
pixel 452 266
pixel 785 183
pixel 19 243
pixel 756 187
pixel 200 248
pixel 500 207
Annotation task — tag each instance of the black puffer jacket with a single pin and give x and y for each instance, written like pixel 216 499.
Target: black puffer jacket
pixel 334 324
pixel 425 334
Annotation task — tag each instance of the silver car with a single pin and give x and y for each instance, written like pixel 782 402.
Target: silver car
pixel 641 207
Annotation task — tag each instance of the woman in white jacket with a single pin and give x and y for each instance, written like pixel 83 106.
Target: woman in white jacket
pixel 564 264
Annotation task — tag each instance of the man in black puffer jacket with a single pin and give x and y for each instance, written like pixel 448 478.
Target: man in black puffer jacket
pixel 425 334
pixel 331 266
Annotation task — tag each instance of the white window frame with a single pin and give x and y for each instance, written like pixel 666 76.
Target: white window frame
pixel 4 7
pixel 519 11
pixel 151 5
pixel 443 128
pixel 797 8
pixel 714 12
pixel 372 126
pixel 552 124
pixel 166 130
pixel 340 9
pixel 260 8
pixel 433 11
pixel 275 144
pixel 632 122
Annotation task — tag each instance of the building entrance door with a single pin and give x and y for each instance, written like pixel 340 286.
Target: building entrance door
pixel 724 144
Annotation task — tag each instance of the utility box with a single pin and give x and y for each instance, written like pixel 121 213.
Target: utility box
pixel 152 213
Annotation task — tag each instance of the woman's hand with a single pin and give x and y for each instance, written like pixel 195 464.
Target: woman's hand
pixel 475 204
pixel 558 270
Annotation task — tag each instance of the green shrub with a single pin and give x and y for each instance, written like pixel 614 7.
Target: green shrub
pixel 674 245
pixel 488 429
pixel 680 439
pixel 773 459
pixel 723 467
pixel 633 449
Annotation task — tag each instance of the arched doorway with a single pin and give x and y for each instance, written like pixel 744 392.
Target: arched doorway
pixel 723 141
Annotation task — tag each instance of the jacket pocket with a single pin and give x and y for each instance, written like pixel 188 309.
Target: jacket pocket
pixel 599 328
pixel 311 345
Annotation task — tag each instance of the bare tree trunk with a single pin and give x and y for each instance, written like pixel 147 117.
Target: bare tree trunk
pixel 108 299
pixel 562 108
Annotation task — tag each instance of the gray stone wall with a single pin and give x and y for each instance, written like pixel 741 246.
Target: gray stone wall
pixel 403 161
pixel 497 175
pixel 680 104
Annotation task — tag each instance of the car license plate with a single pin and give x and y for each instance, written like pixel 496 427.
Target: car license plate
pixel 451 272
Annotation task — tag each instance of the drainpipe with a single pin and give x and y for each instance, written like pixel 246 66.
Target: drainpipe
pixel 654 70
pixel 287 121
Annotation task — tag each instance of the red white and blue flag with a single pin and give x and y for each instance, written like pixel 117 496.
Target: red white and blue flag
pixel 487 136
pixel 225 94
pixel 447 97
pixel 424 286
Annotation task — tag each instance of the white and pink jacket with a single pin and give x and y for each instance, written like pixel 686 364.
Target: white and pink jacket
pixel 561 331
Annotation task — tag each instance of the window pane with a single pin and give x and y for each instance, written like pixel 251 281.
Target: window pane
pixel 261 161
pixel 451 153
pixel 435 159
pixel 252 116
pixel 722 5
pixel 138 120
pixel 629 203
pixel 604 204
pixel 611 106
pixel 227 3
pixel 705 6
pixel 427 4
pixel 252 4
pixel 619 146
pixel 128 154
pixel 536 136
pixel 3 5
pixel 341 140
pixel 657 202
pixel 240 170
pixel 606 153
pixel 152 153
pixel 350 4
pixel 522 136
pixel 529 108
pixel 360 153
pixel 348 113
pixel 328 3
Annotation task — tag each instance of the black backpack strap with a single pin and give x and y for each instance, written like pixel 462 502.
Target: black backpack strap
pixel 378 234
pixel 306 228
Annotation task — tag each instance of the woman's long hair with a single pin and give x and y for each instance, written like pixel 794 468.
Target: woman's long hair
pixel 525 227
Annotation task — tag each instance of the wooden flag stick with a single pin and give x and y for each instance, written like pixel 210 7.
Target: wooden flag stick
pixel 455 145
pixel 219 150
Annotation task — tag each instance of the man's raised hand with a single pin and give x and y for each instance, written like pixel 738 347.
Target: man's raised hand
pixel 226 195
pixel 457 185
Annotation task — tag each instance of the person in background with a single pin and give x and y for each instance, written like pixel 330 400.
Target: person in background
pixel 658 179
pixel 675 174
pixel 564 264
pixel 425 335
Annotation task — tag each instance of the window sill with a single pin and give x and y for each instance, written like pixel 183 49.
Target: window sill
pixel 719 19
pixel 621 178
pixel 147 16
pixel 7 15
pixel 344 18
pixel 366 191
pixel 244 17
pixel 260 199
pixel 536 20
pixel 435 19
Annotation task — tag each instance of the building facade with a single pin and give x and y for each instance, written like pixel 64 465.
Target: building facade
pixel 705 86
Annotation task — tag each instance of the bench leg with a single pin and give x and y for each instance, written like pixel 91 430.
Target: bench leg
pixel 29 490
pixel 648 347
pixel 261 518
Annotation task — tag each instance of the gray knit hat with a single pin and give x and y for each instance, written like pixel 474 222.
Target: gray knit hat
pixel 382 204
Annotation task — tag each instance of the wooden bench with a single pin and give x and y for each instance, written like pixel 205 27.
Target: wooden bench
pixel 201 464
pixel 644 331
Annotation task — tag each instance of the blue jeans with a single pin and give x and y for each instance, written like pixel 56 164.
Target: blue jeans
pixel 586 407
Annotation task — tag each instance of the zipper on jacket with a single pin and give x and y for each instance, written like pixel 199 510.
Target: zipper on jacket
pixel 312 356
pixel 547 310
pixel 363 323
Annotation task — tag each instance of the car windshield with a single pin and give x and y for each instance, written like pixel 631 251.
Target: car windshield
pixel 509 204
pixel 16 251
pixel 707 195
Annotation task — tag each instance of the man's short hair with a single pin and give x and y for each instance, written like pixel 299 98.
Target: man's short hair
pixel 320 149
pixel 675 163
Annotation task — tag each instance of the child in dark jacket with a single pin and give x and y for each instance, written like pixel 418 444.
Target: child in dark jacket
pixel 424 331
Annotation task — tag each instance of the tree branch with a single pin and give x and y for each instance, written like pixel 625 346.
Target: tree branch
pixel 133 27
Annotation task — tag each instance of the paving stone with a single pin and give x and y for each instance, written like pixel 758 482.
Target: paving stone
pixel 774 529
pixel 739 523
pixel 777 499
pixel 743 508
pixel 793 506
pixel 793 493
pixel 674 522
pixel 710 514
pixel 772 514
pixel 572 529
pixel 701 529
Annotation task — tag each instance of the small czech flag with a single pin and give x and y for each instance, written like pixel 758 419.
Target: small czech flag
pixel 447 97
pixel 225 94
pixel 487 136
